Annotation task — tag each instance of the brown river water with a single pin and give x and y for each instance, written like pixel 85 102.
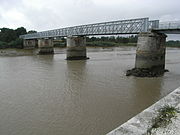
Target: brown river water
pixel 47 95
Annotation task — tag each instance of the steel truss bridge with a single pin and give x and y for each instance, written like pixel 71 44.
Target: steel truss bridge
pixel 131 26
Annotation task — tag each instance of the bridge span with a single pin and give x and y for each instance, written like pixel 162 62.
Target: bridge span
pixel 150 51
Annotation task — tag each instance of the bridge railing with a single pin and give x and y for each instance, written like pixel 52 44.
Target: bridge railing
pixel 153 24
pixel 169 25
pixel 131 26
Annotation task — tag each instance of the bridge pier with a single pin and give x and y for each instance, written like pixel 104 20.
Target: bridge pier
pixel 45 46
pixel 150 55
pixel 150 51
pixel 29 43
pixel 76 48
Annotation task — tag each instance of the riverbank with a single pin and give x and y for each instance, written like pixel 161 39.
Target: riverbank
pixel 16 52
pixel 143 122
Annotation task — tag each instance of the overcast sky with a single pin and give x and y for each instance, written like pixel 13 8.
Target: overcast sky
pixel 50 14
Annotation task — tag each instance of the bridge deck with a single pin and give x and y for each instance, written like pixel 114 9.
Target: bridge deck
pixel 167 31
pixel 168 27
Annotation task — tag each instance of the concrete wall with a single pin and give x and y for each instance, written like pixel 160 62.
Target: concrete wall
pixel 139 124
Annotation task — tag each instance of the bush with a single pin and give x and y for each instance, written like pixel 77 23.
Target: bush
pixel 18 43
pixel 59 44
pixel 3 45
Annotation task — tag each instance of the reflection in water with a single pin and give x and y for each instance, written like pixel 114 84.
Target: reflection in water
pixel 47 95
pixel 46 59
pixel 76 76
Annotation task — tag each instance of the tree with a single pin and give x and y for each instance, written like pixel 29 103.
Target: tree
pixel 20 31
pixel 7 35
pixel 10 38
pixel 32 31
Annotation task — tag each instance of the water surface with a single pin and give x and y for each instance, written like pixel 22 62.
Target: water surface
pixel 47 95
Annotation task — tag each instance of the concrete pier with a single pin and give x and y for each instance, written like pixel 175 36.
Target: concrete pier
pixel 45 46
pixel 30 43
pixel 76 48
pixel 150 51
pixel 150 55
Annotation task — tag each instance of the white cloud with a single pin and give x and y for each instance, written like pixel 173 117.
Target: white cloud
pixel 49 14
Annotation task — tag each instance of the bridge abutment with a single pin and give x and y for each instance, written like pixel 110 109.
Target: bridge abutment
pixel 45 46
pixel 150 55
pixel 76 48
pixel 29 43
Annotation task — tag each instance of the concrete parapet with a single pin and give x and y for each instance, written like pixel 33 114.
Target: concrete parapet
pixel 29 43
pixel 150 51
pixel 45 46
pixel 76 48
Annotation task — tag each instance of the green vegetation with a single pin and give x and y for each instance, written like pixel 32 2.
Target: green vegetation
pixel 60 43
pixel 112 41
pixel 103 41
pixel 172 43
pixel 9 38
pixel 164 117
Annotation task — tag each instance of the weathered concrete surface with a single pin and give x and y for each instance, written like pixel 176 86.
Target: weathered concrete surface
pixel 30 43
pixel 150 50
pixel 150 55
pixel 139 124
pixel 45 46
pixel 76 48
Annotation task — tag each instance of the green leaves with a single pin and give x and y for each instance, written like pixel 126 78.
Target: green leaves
pixel 164 117
pixel 9 38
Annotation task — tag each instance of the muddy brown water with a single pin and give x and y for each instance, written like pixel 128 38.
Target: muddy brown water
pixel 47 95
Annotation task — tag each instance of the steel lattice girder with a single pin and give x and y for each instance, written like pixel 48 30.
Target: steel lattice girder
pixel 132 26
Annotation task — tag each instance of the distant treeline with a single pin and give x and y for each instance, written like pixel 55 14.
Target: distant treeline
pixel 111 41
pixel 172 43
pixel 9 38
pixel 103 41
pixel 114 41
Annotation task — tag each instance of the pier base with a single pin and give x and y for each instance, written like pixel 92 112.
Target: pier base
pixel 45 46
pixel 76 48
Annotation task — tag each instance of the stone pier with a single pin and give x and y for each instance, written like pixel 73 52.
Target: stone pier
pixel 150 55
pixel 29 43
pixel 76 48
pixel 45 46
pixel 151 50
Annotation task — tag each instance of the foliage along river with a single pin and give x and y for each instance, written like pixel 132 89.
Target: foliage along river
pixel 47 95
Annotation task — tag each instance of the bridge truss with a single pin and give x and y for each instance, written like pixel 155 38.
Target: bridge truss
pixel 131 26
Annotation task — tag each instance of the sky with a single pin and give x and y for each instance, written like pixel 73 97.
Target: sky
pixel 43 15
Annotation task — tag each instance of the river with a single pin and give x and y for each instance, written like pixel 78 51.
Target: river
pixel 47 95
